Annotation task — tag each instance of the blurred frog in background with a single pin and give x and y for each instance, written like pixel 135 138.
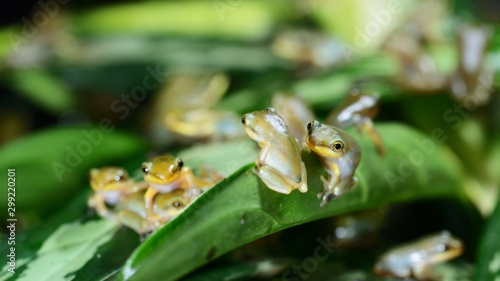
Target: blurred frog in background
pixel 358 109
pixel 339 153
pixel 413 259
pixel 110 186
pixel 279 164
pixel 419 72
pixel 359 230
pixel 296 114
pixel 472 80
pixel 188 102
pixel 309 48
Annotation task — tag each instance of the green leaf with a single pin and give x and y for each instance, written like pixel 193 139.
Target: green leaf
pixel 488 259
pixel 42 88
pixel 51 165
pixel 241 208
pixel 228 19
pixel 68 249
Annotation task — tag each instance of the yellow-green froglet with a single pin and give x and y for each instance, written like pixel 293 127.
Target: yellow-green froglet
pixel 167 173
pixel 190 99
pixel 132 212
pixel 110 186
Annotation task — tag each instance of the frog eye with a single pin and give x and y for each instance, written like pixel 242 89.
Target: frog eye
pixel 119 176
pixel 180 163
pixel 145 169
pixel 337 146
pixel 177 204
pixel 243 120
pixel 309 126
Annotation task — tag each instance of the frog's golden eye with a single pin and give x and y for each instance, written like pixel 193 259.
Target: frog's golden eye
pixel 337 146
pixel 243 120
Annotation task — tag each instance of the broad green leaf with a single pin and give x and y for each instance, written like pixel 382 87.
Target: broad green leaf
pixel 42 88
pixel 488 258
pixel 241 208
pixel 245 20
pixel 51 165
pixel 68 249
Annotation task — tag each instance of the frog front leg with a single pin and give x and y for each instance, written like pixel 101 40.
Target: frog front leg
pixel 329 188
pixel 193 185
pixel 148 202
pixel 275 180
pixel 331 185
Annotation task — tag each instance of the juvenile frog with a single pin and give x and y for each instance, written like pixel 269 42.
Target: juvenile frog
pixel 110 186
pixel 131 211
pixel 340 154
pixel 472 80
pixel 167 173
pixel 309 49
pixel 279 164
pixel 418 70
pixel 412 260
pixel 358 109
pixel 189 112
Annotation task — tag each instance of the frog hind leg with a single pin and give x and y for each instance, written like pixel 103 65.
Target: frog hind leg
pixel 339 191
pixel 366 124
pixel 303 186
pixel 97 203
pixel 133 221
pixel 274 180
pixel 422 273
